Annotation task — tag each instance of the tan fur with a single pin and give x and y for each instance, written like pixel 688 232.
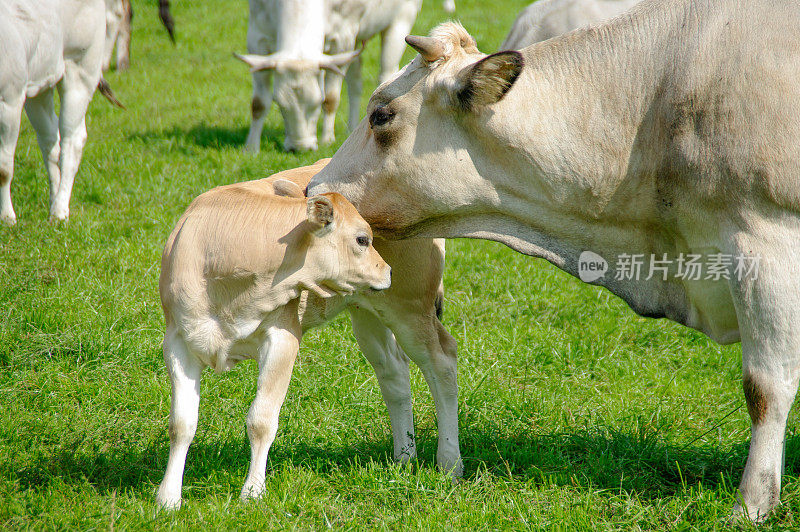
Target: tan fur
pixel 232 287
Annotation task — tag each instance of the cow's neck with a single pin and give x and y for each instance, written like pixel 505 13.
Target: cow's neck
pixel 301 28
pixel 579 170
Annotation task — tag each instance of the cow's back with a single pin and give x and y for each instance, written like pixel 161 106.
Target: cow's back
pixel 731 108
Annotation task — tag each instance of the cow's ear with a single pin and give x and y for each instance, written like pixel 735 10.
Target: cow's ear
pixel 488 80
pixel 284 187
pixel 320 213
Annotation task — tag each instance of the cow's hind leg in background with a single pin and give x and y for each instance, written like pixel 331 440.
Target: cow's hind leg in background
pixel 10 116
pixel 184 374
pixel 768 311
pixel 41 112
pixel 75 96
pixel 275 363
pixel 380 348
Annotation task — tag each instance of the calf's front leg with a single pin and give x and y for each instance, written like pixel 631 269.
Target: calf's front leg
pixel 275 363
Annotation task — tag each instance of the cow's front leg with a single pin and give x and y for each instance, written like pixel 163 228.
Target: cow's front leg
pixel 354 88
pixel 393 42
pixel 260 103
pixel 276 360
pixel 184 373
pixel 425 340
pixel 10 116
pixel 391 369
pixel 333 93
pixel 41 113
pixel 768 311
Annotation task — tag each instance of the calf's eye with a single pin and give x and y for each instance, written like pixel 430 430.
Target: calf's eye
pixel 380 116
pixel 362 241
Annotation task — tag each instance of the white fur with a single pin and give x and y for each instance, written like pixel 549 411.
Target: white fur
pixel 668 130
pixel 48 44
pixel 546 19
pixel 300 32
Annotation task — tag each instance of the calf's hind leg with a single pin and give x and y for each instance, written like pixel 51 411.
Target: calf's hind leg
pixel 275 363
pixel 184 373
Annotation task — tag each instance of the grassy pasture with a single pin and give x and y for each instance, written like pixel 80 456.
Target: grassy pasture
pixel 575 414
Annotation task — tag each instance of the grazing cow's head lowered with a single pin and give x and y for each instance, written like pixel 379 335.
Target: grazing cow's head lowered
pixel 413 153
pixel 298 91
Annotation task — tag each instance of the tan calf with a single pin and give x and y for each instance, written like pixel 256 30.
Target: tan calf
pixel 246 272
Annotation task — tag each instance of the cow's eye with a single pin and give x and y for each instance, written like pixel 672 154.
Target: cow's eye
pixel 380 116
pixel 362 241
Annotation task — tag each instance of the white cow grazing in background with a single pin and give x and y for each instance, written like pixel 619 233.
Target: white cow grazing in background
pixel 48 44
pixel 119 14
pixel 666 135
pixel 231 280
pixel 290 39
pixel 546 19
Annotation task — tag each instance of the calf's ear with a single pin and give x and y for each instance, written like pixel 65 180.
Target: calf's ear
pixel 488 80
pixel 284 187
pixel 320 213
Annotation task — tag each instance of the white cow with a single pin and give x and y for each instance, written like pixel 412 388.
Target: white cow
pixel 231 293
pixel 292 37
pixel 48 44
pixel 665 136
pixel 119 14
pixel 546 19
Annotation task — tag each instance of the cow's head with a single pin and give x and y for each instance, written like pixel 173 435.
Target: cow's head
pixel 298 91
pixel 340 250
pixel 417 156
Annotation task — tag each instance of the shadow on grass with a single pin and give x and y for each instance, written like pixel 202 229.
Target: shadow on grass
pixel 603 459
pixel 210 137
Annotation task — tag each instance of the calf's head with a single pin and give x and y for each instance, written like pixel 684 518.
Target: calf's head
pixel 298 90
pixel 417 156
pixel 340 250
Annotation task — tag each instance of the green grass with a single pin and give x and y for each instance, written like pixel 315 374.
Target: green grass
pixel 575 414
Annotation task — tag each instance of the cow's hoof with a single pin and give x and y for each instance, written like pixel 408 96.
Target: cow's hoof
pixel 742 515
pixel 59 214
pixel 250 492
pixel 454 468
pixel 251 148
pixel 168 502
pixel 8 219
